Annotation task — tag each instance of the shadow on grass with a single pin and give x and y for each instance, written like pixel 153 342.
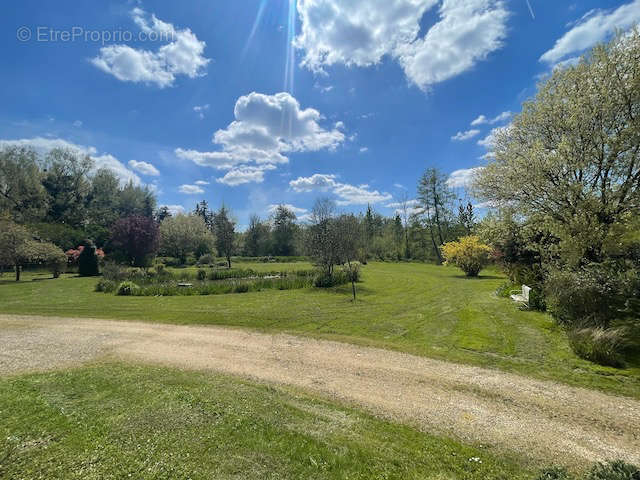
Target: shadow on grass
pixel 479 277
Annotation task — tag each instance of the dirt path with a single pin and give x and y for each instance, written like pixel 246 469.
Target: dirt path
pixel 540 420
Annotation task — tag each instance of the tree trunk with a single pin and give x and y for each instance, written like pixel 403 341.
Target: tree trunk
pixel 229 261
pixel 18 270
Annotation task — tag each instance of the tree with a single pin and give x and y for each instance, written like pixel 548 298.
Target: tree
pixel 49 255
pixel 349 234
pixel 14 240
pixel 225 233
pixel 182 235
pixel 202 210
pixel 162 214
pixel 136 238
pixel 21 191
pixel 88 261
pixel 102 201
pixel 323 235
pixel 435 197
pixel 571 159
pixel 257 238
pixel 67 185
pixel 404 208
pixel 284 231
pixel 466 217
pixel 398 233
pixel 469 254
pixel 136 200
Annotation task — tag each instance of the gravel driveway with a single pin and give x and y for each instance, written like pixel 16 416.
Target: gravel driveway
pixel 536 419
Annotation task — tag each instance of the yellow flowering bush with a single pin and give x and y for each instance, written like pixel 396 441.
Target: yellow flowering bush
pixel 469 254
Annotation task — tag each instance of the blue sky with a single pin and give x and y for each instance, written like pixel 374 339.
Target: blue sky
pixel 259 102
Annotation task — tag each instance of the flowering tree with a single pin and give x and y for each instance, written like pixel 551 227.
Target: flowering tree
pixel 469 254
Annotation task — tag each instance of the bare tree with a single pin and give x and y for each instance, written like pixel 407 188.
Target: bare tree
pixel 349 235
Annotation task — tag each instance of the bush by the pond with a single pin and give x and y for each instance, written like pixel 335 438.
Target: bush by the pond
pixel 126 289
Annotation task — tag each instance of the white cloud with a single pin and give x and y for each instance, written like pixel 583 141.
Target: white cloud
pixel 44 145
pixel 482 120
pixel 77 123
pixel 183 55
pixel 144 168
pixel 593 28
pixel 462 136
pixel 266 128
pixel 190 189
pixel 347 194
pixel 175 209
pixel 297 210
pixel 410 203
pixel 200 109
pixel 245 174
pixel 201 182
pixel 364 149
pixel 361 32
pixel 462 178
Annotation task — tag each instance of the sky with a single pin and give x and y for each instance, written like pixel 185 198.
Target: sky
pixel 255 103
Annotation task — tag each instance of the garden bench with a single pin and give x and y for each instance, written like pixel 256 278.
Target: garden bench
pixel 521 296
pixel 185 285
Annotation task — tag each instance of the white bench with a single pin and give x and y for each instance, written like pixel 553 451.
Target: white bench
pixel 521 296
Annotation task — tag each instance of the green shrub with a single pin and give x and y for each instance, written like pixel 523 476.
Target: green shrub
pixel 170 261
pixel 504 290
pixel 202 275
pixel 127 289
pixel 614 470
pixel 241 288
pixel 113 271
pixel 353 272
pixel 599 345
pixel 206 259
pixel 106 286
pixel 554 473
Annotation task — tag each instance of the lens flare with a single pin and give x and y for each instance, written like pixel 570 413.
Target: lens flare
pixel 254 28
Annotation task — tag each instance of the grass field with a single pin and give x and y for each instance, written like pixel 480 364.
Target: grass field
pixel 120 421
pixel 421 309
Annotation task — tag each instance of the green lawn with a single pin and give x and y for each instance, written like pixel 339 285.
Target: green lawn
pixel 113 421
pixel 422 309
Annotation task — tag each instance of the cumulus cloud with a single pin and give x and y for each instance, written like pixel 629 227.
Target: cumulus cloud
pixel 183 55
pixel 347 194
pixel 595 27
pixel 463 178
pixel 297 210
pixel 361 32
pixel 245 174
pixel 44 145
pixel 462 136
pixel 201 182
pixel 482 120
pixel 266 129
pixel 174 209
pixel 144 168
pixel 190 189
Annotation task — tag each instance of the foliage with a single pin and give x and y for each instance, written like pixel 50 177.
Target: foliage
pixel 127 288
pixel 49 255
pixel 224 229
pixel 284 231
pixel 21 192
pixel 323 236
pixel 257 239
pixel 136 239
pixel 182 235
pixel 435 199
pixel 614 470
pixel 469 254
pixel 554 473
pixel 65 236
pixel 202 275
pixel 114 272
pixel 88 261
pixel 599 345
pixel 206 259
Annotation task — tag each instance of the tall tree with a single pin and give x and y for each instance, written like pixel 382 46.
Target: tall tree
pixel 225 233
pixel 256 238
pixel 349 240
pixel 136 200
pixel 571 159
pixel 182 235
pixel 435 197
pixel 466 217
pixel 323 236
pixel 284 231
pixel 162 214
pixel 202 210
pixel 136 239
pixel 21 191
pixel 67 185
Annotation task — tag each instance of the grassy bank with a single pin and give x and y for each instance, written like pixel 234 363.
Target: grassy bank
pixel 421 309
pixel 120 421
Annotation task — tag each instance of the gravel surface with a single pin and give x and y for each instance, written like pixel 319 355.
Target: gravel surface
pixel 536 419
